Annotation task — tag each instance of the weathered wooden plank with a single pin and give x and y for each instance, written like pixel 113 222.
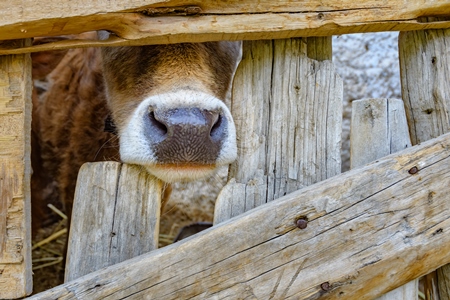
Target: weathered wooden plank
pixel 115 217
pixel 211 20
pixel 379 128
pixel 15 172
pixel 29 10
pixel 288 112
pixel 384 216
pixel 425 76
pixel 320 48
pixel 407 291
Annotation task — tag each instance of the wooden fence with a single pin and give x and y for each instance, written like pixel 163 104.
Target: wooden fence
pixel 353 236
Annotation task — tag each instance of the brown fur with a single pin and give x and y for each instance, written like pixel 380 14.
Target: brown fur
pixel 68 124
pixel 69 118
pixel 43 191
pixel 173 67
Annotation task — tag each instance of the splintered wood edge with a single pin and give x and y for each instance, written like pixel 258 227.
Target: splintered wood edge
pixel 116 216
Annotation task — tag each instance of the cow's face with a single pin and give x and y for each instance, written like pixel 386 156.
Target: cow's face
pixel 168 104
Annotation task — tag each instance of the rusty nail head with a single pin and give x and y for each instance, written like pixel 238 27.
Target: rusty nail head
pixel 301 223
pixel 325 286
pixel 413 170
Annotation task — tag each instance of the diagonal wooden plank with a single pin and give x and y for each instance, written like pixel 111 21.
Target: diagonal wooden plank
pixel 390 215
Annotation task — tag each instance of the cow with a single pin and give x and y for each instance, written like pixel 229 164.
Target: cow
pixel 158 106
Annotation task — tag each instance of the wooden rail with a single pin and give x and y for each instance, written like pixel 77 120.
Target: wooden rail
pixel 162 22
pixel 398 206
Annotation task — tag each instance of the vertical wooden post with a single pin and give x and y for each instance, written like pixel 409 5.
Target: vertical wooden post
pixel 379 128
pixel 15 172
pixel 425 78
pixel 320 48
pixel 115 217
pixel 288 113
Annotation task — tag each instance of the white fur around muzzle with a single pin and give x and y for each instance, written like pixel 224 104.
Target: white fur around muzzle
pixel 135 148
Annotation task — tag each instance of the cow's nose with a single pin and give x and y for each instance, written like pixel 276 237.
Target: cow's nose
pixel 186 135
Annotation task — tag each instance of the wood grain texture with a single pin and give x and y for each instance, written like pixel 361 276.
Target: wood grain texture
pixel 443 275
pixel 364 225
pixel 115 217
pixel 425 76
pixel 15 172
pixel 407 291
pixel 320 48
pixel 379 128
pixel 212 20
pixel 288 114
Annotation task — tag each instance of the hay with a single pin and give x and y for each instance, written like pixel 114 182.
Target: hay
pixel 189 203
pixel 47 255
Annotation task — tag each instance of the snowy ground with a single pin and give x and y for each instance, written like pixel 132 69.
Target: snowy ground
pixel 368 65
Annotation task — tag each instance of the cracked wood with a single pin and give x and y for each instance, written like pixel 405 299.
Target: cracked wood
pixel 115 217
pixel 361 224
pixel 15 172
pixel 425 73
pixel 379 128
pixel 288 113
pixel 212 20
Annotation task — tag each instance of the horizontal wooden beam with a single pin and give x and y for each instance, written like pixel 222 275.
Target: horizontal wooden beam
pixel 161 22
pixel 364 232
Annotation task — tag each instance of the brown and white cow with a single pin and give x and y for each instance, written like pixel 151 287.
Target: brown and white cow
pixel 168 104
pixel 166 101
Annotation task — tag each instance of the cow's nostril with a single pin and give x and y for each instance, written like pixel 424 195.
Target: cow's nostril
pixel 216 129
pixel 186 134
pixel 158 126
